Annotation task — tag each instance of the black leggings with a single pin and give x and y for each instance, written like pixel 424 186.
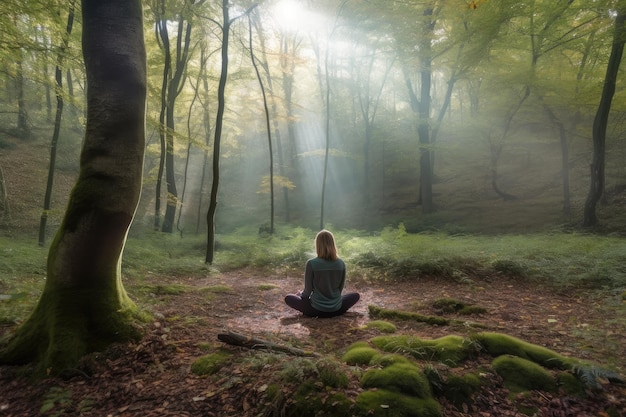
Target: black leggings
pixel 304 305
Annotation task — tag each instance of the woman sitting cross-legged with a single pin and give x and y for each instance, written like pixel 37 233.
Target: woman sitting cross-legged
pixel 324 280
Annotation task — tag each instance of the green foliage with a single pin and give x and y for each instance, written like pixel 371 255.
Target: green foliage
pixel 55 401
pixel 497 344
pixel 298 370
pixel 211 363
pixel 590 375
pixel 404 378
pixel 331 374
pixel 383 403
pixel 510 267
pixel 555 258
pixel 523 375
pixel 309 401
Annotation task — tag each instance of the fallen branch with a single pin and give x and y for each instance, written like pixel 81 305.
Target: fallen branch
pixel 237 339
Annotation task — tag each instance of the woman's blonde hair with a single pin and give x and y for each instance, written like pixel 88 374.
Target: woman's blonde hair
pixel 325 245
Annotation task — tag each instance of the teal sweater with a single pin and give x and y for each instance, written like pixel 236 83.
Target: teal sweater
pixel 323 282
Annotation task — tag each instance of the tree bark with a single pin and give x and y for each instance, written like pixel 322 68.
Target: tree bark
pixel 84 306
pixel 596 187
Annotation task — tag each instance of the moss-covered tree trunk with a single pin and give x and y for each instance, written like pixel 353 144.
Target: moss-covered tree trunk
pixel 84 306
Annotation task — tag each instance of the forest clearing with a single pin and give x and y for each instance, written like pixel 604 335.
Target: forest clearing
pixel 153 377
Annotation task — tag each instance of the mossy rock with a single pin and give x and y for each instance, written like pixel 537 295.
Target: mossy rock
pixel 383 403
pixel 382 326
pixel 449 349
pixel 570 384
pixel 523 375
pixel 497 344
pixel 386 359
pixel 211 363
pixel 359 355
pixel 404 378
pixel 460 389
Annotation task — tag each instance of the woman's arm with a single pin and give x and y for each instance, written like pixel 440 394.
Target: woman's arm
pixel 308 280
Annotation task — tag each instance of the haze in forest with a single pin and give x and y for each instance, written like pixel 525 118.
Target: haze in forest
pixel 454 116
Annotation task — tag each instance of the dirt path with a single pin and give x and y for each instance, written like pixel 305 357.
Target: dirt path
pixel 152 378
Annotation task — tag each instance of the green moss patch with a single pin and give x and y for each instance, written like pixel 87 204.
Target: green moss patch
pixel 383 403
pixel 497 344
pixel 382 326
pixel 218 289
pixel 450 349
pixel 266 287
pixel 460 389
pixel 570 384
pixel 359 355
pixel 523 375
pixel 404 378
pixel 211 363
pixel 387 359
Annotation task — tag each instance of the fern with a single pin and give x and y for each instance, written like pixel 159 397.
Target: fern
pixel 591 375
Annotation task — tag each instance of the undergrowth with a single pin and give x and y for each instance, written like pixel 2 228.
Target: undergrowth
pixel 560 259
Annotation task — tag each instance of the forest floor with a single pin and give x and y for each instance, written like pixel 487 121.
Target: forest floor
pixel 152 377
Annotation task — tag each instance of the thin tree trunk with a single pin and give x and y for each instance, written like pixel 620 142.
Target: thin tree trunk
pixel 596 186
pixel 206 117
pixel 423 129
pixel 161 28
pixel 22 112
pixel 267 125
pixel 57 126
pixel 173 90
pixel 219 121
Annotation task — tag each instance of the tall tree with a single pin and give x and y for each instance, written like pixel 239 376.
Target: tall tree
pixel 596 187
pixel 173 81
pixel 84 306
pixel 57 124
pixel 268 126
pixel 226 24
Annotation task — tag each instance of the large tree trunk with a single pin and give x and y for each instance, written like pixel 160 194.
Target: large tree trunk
pixel 84 306
pixel 596 187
